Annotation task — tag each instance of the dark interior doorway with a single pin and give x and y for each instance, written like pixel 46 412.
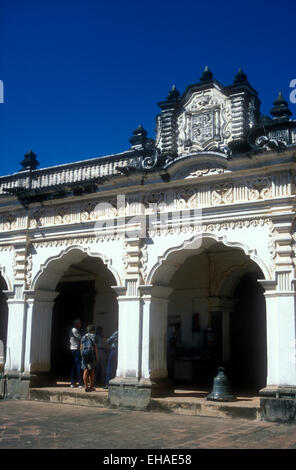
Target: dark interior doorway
pixel 75 300
pixel 248 347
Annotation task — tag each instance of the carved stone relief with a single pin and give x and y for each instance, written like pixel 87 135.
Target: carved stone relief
pixel 259 188
pixel 205 122
pixel 9 222
pixel 222 193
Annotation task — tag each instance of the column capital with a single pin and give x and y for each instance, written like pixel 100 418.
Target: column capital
pixel 10 294
pixel 41 295
pixel 120 290
pixel 158 291
pixel 269 285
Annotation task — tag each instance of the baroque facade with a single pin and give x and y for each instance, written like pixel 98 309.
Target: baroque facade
pixel 164 230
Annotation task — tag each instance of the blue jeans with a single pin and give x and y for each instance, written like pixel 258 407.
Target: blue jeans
pixel 76 368
pixel 111 366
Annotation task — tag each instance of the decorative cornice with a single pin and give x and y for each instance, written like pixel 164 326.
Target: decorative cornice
pixel 104 211
pixel 214 226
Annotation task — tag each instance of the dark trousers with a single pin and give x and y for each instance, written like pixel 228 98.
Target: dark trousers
pixel 111 366
pixel 102 366
pixel 76 368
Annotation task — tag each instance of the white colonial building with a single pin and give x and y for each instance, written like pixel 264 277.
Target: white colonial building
pixel 190 231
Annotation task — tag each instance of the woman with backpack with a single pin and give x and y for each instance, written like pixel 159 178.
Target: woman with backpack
pixel 89 355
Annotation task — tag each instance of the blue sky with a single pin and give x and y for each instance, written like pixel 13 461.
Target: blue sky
pixel 80 75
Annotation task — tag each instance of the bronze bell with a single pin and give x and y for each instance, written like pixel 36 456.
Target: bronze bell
pixel 221 388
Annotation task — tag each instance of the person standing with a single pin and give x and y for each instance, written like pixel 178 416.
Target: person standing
pixel 75 338
pixel 112 360
pixel 103 349
pixel 89 355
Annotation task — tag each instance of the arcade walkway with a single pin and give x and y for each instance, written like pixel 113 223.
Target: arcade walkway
pixel 33 425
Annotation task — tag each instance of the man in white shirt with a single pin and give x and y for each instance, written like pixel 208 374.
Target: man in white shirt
pixel 75 338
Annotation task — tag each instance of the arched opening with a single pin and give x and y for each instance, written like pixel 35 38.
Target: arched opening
pixel 248 362
pixel 74 285
pixel 84 291
pixel 3 312
pixel 216 316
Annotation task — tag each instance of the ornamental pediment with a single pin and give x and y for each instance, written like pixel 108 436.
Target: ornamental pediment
pixel 205 122
pixel 197 171
pixel 198 165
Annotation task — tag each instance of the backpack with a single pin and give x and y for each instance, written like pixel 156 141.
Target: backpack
pixel 87 351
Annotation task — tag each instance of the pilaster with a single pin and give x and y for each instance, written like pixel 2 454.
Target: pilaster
pixel 38 332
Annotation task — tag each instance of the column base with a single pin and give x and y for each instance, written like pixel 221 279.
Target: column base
pixel 134 393
pixel 278 404
pixel 278 391
pixel 17 386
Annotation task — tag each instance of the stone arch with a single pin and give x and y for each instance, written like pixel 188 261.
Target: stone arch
pixel 228 283
pixel 212 307
pixel 50 272
pixel 42 319
pixel 7 280
pixel 164 268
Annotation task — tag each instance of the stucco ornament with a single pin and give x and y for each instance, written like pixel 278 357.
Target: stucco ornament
pixel 205 122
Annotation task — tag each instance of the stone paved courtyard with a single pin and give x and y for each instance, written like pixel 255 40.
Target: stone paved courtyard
pixel 35 425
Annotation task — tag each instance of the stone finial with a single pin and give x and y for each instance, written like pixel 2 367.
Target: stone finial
pixel 207 75
pixel 280 109
pixel 173 94
pixel 30 161
pixel 140 131
pixel 139 137
pixel 240 77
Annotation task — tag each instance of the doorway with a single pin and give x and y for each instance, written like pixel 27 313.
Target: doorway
pixel 84 292
pixel 216 325
pixel 75 300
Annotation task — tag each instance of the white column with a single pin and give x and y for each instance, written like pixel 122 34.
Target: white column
pixel 154 344
pixel 142 339
pixel 281 337
pixel 38 333
pixel 129 337
pixel 15 335
pixel 281 351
